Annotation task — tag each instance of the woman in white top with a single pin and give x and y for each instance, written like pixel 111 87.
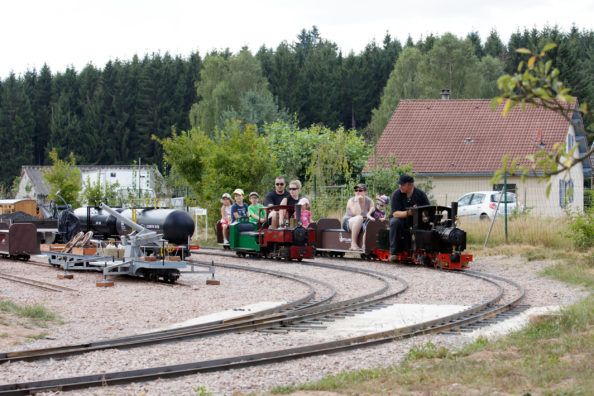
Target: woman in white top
pixel 359 211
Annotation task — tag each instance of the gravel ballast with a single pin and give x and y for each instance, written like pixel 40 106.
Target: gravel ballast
pixel 134 306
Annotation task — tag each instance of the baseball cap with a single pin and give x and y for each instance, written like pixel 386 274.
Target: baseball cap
pixel 254 193
pixel 226 195
pixel 238 191
pixel 303 201
pixel 406 179
pixel 384 199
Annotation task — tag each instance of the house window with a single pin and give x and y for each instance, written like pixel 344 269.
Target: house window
pixel 510 188
pixel 565 192
pixel 112 174
pixel 570 142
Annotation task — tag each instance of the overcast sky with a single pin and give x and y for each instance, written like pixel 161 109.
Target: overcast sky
pixel 66 33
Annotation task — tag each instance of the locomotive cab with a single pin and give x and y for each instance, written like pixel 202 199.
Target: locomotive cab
pixel 436 238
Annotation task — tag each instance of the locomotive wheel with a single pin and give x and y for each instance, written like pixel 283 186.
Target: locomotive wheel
pixel 300 259
pixel 152 276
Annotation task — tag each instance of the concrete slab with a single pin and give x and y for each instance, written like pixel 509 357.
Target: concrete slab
pixel 228 314
pixel 514 323
pixel 388 318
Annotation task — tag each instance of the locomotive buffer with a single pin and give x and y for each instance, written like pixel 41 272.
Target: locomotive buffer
pixel 142 249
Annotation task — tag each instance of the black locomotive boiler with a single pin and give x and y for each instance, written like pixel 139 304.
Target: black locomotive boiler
pixel 175 225
pixel 432 238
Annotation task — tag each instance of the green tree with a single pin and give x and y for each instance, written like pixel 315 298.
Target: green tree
pixel 96 192
pixel 63 178
pixel 222 83
pixel 405 82
pixel 537 83
pixel 451 64
pixel 17 128
pixel 490 69
pixel 256 108
pixel 494 46
pixel 293 149
pixel 187 154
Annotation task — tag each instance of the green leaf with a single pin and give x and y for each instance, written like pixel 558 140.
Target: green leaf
pixel 524 51
pixel 548 47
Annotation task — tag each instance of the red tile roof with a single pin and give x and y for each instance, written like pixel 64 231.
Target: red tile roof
pixel 465 136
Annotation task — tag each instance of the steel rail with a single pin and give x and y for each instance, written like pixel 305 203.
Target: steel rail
pixel 284 315
pixel 159 336
pixel 36 283
pixel 472 314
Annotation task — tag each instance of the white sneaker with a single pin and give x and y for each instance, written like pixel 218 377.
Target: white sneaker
pixel 225 241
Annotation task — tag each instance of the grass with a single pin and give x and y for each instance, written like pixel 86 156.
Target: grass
pixel 521 230
pixel 554 356
pixel 37 314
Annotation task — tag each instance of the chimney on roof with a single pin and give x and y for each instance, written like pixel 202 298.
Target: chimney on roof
pixel 445 94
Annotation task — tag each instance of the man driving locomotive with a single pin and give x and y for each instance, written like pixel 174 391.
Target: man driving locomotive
pixel 404 198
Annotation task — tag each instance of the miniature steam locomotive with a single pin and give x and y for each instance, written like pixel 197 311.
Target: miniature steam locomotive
pixel 432 239
pixel 291 241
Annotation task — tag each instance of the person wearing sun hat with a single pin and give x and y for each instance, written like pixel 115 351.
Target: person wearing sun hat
pixel 254 208
pixel 239 208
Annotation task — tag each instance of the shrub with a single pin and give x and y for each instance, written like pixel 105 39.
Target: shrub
pixel 581 229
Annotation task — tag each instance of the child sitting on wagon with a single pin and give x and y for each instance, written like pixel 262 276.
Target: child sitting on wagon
pixel 305 213
pixel 380 212
pixel 254 209
pixel 226 216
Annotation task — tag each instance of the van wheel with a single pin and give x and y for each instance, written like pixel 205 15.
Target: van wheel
pixel 484 216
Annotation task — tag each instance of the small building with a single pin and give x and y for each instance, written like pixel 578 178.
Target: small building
pixel 460 144
pixel 133 180
pixel 9 206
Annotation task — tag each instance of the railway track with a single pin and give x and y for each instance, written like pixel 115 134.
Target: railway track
pixel 489 308
pixel 306 308
pixel 38 284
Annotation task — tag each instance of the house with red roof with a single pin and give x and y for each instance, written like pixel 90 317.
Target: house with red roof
pixel 459 144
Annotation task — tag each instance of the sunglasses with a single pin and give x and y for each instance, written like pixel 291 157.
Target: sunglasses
pixel 359 190
pixel 381 205
pixel 293 188
pixel 280 184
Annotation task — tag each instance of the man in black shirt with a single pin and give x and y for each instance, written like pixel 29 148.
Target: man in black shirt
pixel 275 197
pixel 405 197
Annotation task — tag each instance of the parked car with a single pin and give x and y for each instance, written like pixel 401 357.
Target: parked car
pixel 483 204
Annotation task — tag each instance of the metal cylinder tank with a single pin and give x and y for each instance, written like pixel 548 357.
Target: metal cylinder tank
pixel 101 222
pixel 175 225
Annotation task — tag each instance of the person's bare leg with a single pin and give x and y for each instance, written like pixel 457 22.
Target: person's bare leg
pixel 355 225
pixel 274 219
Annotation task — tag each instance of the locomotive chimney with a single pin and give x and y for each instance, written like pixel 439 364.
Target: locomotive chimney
pixel 454 212
pixel 445 94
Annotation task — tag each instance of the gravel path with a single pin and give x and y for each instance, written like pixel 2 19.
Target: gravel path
pixel 135 306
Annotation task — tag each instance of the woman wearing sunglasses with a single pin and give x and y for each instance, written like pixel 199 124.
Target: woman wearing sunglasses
pixel 293 198
pixel 359 211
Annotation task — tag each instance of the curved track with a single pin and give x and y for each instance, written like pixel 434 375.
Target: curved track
pixel 478 312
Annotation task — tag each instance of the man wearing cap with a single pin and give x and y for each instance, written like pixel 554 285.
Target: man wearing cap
pixel 404 198
pixel 239 208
